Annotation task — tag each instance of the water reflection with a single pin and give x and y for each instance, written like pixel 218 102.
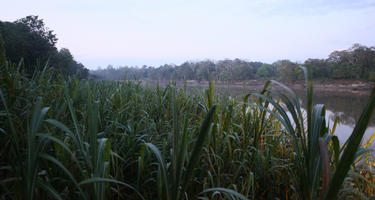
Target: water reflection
pixel 347 106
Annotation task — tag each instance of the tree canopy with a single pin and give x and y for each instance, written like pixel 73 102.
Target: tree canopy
pixel 357 62
pixel 29 39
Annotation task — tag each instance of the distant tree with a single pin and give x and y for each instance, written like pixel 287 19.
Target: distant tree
pixel 185 71
pixel 204 70
pixel 363 59
pixel 242 70
pixel 287 70
pixel 265 71
pixel 357 62
pixel 225 70
pixel 320 68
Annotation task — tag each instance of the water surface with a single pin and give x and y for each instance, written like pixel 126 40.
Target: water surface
pixel 347 106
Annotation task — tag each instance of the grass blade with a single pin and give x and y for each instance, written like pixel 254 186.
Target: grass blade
pixel 228 191
pixel 50 190
pixel 160 159
pixel 205 128
pixel 108 180
pixel 351 149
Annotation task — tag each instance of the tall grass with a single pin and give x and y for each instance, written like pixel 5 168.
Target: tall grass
pixel 65 138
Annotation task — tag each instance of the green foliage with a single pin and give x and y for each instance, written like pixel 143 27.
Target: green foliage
pixel 288 70
pixel 81 139
pixel 64 62
pixel 201 71
pixel 353 63
pixel 265 71
pixel 313 165
pixel 30 40
pixel 2 51
pixel 320 68
pixel 29 43
pixel 357 62
pixel 371 76
pixel 37 26
pixel 351 151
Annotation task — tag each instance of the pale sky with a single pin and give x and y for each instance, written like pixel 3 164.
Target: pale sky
pixel 137 32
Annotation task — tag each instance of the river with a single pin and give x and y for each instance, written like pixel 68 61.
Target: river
pixel 347 106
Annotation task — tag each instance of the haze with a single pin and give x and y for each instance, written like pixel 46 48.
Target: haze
pixel 138 32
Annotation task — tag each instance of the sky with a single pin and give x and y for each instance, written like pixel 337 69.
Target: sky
pixel 140 32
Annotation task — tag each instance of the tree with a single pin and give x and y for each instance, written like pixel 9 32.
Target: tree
pixel 29 43
pixel 320 68
pixel 288 70
pixel 2 51
pixel 64 62
pixel 242 70
pixel 37 26
pixel 356 62
pixel 265 71
pixel 185 71
pixel 30 39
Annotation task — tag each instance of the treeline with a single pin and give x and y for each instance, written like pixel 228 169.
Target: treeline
pixel 29 40
pixel 357 62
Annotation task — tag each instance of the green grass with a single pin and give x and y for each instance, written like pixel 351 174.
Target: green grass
pixel 65 138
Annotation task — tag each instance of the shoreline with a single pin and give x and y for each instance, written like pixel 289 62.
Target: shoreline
pixel 357 87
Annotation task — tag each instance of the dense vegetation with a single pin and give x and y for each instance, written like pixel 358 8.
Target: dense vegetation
pixel 357 62
pixel 80 139
pixel 64 137
pixel 30 40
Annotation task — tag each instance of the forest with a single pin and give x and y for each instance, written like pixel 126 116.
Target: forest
pixel 357 62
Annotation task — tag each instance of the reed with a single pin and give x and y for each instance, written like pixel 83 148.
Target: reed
pixel 65 138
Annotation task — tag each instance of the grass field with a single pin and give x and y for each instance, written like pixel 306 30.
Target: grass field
pixel 65 138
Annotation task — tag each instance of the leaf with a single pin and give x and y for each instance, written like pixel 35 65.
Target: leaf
pixel 323 148
pixel 108 180
pixel 159 157
pixel 65 170
pixel 351 149
pixel 205 128
pixel 48 188
pixel 228 191
pixel 59 125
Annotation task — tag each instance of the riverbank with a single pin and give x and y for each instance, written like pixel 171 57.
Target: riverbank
pixel 357 87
